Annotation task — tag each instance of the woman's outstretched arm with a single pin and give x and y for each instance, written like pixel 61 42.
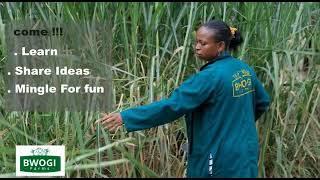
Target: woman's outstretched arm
pixel 188 96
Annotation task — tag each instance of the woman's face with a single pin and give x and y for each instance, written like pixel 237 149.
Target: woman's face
pixel 206 47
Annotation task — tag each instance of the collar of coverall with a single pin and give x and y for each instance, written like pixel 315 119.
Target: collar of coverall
pixel 223 55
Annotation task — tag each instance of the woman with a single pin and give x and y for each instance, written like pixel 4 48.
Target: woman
pixel 221 104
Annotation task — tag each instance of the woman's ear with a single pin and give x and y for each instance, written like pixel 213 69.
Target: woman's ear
pixel 221 46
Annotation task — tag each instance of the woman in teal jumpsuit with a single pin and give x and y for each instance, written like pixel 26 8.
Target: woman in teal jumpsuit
pixel 221 104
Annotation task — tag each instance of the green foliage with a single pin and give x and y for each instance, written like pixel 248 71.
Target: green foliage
pixel 152 54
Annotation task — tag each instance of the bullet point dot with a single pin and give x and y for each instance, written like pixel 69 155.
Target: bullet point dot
pixel 9 73
pixel 15 54
pixel 9 91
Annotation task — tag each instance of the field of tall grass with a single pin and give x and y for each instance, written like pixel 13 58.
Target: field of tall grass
pixel 152 53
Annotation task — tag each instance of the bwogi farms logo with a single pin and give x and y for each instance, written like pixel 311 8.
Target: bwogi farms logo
pixel 40 160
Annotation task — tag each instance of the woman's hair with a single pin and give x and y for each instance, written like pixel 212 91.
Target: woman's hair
pixel 222 32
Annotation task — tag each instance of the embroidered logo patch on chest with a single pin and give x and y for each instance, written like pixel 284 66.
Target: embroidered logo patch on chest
pixel 242 83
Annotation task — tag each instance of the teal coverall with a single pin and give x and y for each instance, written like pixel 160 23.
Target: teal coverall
pixel 221 104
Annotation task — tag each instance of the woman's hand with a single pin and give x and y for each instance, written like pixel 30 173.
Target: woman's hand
pixel 111 121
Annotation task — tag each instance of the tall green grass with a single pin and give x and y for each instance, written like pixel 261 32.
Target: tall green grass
pixel 152 54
